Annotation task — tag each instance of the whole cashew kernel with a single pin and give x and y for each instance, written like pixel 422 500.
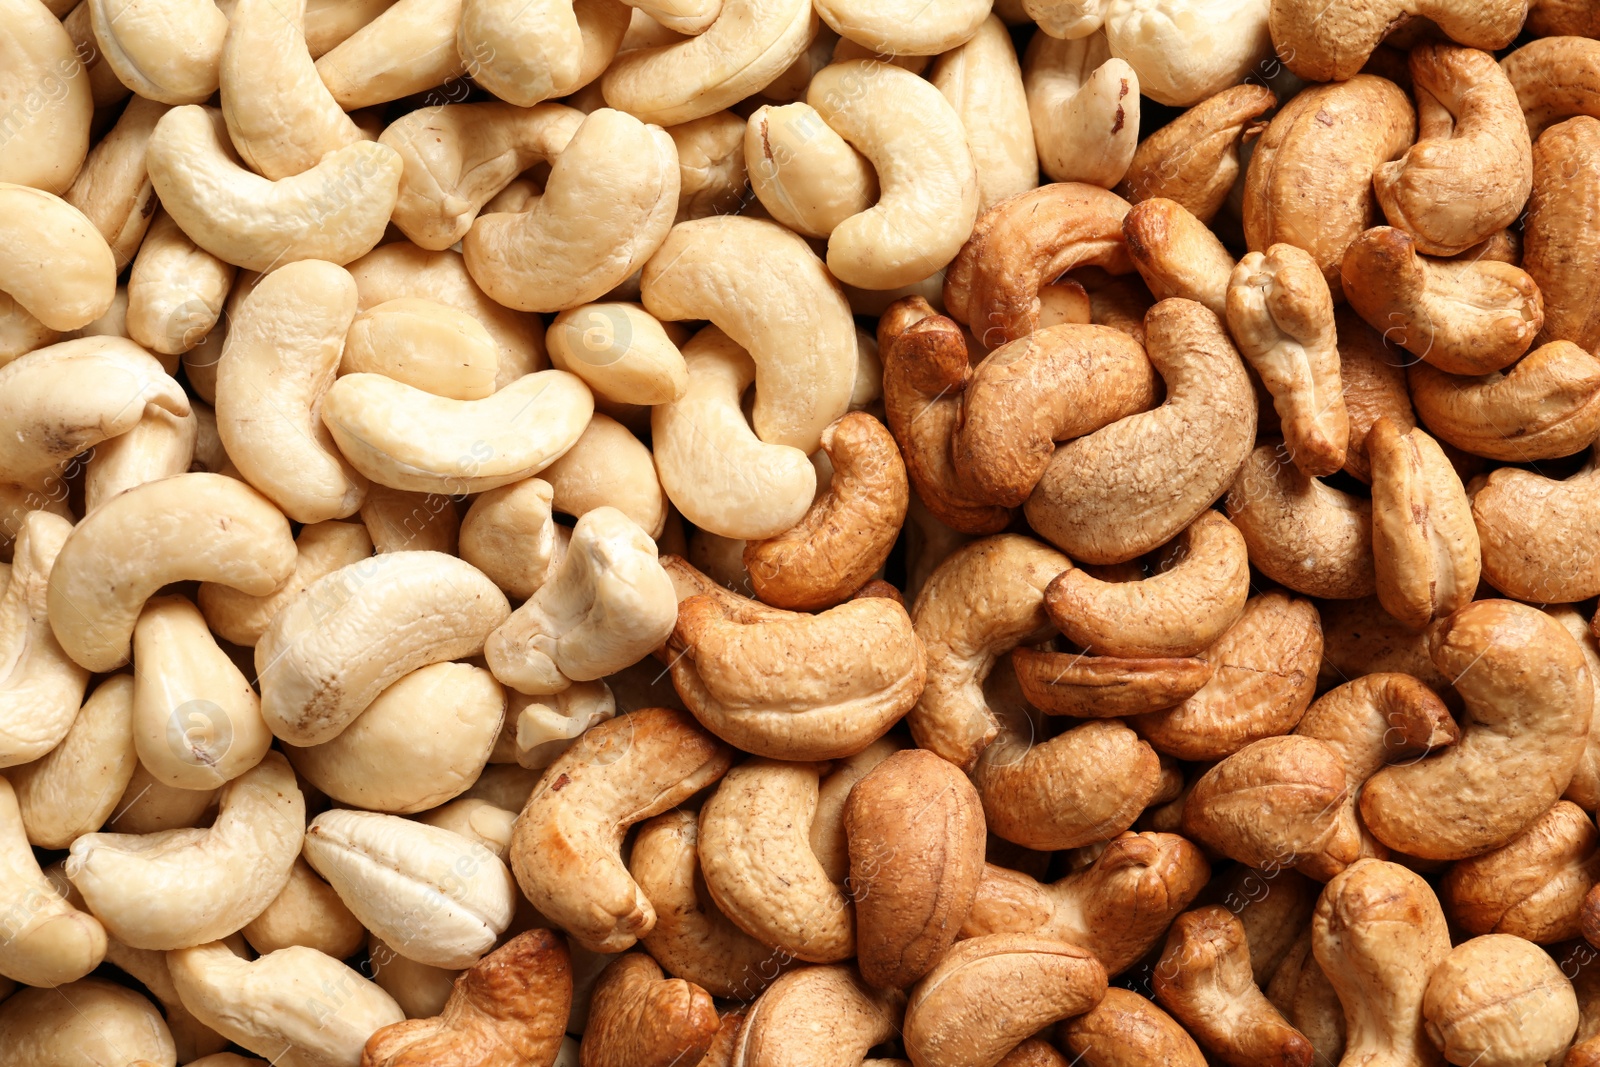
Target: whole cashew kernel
pixel 620 351
pixel 91 1021
pixel 176 290
pixel 1546 406
pixel 1560 227
pixel 1084 107
pixel 56 266
pixel 510 535
pixel 1497 1001
pixel 609 467
pixel 781 1027
pixel 432 346
pixel 113 189
pixel 1177 255
pixel 525 53
pixel 41 687
pixel 160 445
pixel 170 50
pixel 639 1017
pixel 1534 886
pixel 74 789
pixel 1554 75
pixel 1126 1030
pixel 1194 160
pixel 50 139
pixel 906 30
pixel 307 912
pixel 321 549
pixel 983 82
pixel 1100 687
pixel 1185 51
pixel 48 942
pixel 807 176
pixel 1331 41
pixel 409 48
pixel 1298 780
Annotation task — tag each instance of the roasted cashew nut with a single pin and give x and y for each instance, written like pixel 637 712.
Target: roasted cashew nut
pixel 1301 532
pixel 1522 518
pixel 1499 1000
pixel 1546 406
pixel 1560 229
pixel 639 1016
pixel 1534 887
pixel 1177 255
pixel 1194 159
pixel 1323 41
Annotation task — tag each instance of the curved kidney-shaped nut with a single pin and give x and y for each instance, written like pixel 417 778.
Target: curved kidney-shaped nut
pixel 904 29
pixel 406 49
pixel 783 1027
pixel 954 1016
pixel 73 790
pixel 711 166
pixel 984 600
pixel 1195 159
pixel 41 687
pixel 435 347
pixel 1084 107
pixel 1585 788
pixel 296 1006
pixel 1534 534
pixel 280 359
pixel 1101 687
pixel 1293 196
pixel 760 868
pixel 510 535
pixel 57 267
pixel 398 521
pixel 420 991
pixel 307 912
pixel 376 763
pixel 147 806
pixel 47 941
pixel 1331 42
pixel 1059 383
pixel 1264 675
pixel 638 1018
pixel 1560 228
pixel 606 607
pixel 178 888
pixel 329 652
pixel 508 1009
pixel 750 45
pixel 435 896
pixel 983 82
pixel 1498 1001
pixel 1424 544
pixel 805 359
pixel 1546 406
pixel 1178 612
pixel 1185 52
pixel 1178 255
pixel 321 549
pixel 847 534
pixel 50 100
pixel 807 176
pixel 1126 1030
pixel 176 290
pixel 916 832
pixel 621 351
pixel 1192 446
pixel 1204 979
pixel 828 838
pixel 335 211
pixel 191 526
pixel 92 1021
pixel 1024 243
pixel 169 51
pixel 1280 312
pixel 565 850
pixel 1272 804
pixel 928 197
pixel 1302 993
pixel 609 466
pixel 525 53
pixel 1472 149
pixel 1378 934
pixel 1525 685
pixel 1302 532
pixel 616 174
pixel 1534 886
pixel 1555 75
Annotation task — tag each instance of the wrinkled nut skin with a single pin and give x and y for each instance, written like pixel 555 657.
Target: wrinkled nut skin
pixel 955 1017
pixel 1126 1030
pixel 916 832
pixel 816 1017
pixel 1526 688
pixel 1270 804
pixel 1097 687
pixel 1310 178
pixel 1545 407
pixel 1331 42
pixel 1359 637
pixel 1301 992
pixel 508 1009
pixel 1533 887
pixel 848 532
pixel 1194 159
pixel 1536 540
pixel 638 1018
pixel 1375 386
pixel 1562 230
pixel 1498 1001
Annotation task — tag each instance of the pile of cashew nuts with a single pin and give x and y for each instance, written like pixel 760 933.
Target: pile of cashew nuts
pixel 799 533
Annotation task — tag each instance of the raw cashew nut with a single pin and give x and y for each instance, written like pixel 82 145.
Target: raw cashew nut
pixel 435 347
pixel 1535 536
pixel 398 521
pixel 1525 685
pixel 169 50
pixel 41 688
pixel 90 1021
pixel 639 1017
pixel 113 189
pixel 1194 160
pixel 73 790
pixel 321 549
pixel 330 651
pixel 335 211
pixel 178 888
pixel 200 526
pixel 1331 41
pixel 620 178
pixel 1186 50
pixel 409 48
pixel 606 607
pixel 56 266
pixel 1498 1001
pixel 807 176
pixel 568 839
pixel 1534 887
pixel 1084 106
pixel 609 467
pixel 1560 231
pixel 1191 446
pixel 1546 406
pixel 805 359
pixel 782 1027
pixel 983 82
pixel 176 290
pixel 47 941
pixel 511 535
pixel 905 29
pixel 308 912
pixel 147 806
pixel 527 52
pixel 46 95
pixel 620 351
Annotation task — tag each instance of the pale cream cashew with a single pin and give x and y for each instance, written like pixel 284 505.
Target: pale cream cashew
pixel 200 526
pixel 192 1038
pixel 420 991
pixel 711 170
pixel 44 91
pixel 105 88
pixel 749 46
pixel 423 343
pixel 928 187
pixel 53 262
pixel 74 789
pixel 89 1022
pixel 608 204
pixel 277 366
pixel 296 1006
pixel 307 912
pixel 113 190
pixel 905 28
pixel 609 466
pixel 47 941
pixel 476 820
pixel 147 806
pixel 527 52
pixel 1084 106
pixel 330 651
pixel 196 721
pixel 541 729
pixel 407 49
pixel 620 351
pixel 114 323
pixel 41 688
pixel 20 332
pixel 510 535
pixel 200 371
pixel 176 290
pixel 280 116
pixel 321 549
pixel 168 50
pixel 713 468
pixel 178 888
pixel 805 359
pixel 398 521
pixel 459 156
pixel 432 895
pixel 335 211
pixel 983 82
pixel 607 605
pixel 376 761
pixel 807 176
pixel 1187 50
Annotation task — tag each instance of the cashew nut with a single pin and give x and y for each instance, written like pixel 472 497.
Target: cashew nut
pixel 1099 687
pixel 639 1017
pixel 307 912
pixel 176 290
pixel 1534 534
pixel 113 189
pixel 782 1027
pixel 41 687
pixel 169 50
pixel 1331 41
pixel 321 549
pixel 1497 1001
pixel 1194 160
pixel 609 467
pixel 432 346
pixel 91 1021
pixel 74 789
pixel 44 92
pixel 983 82
pixel 1547 405
pixel 407 49
pixel 1084 107
pixel 56 266
pixel 509 534
pixel 1126 1030
pixel 1560 229
pixel 1534 886
pixel 47 942
pixel 1177 255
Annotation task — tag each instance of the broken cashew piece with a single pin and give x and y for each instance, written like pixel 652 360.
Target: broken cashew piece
pixel 1084 105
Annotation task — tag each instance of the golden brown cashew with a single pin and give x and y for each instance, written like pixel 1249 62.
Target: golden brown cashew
pixel 984 600
pixel 1331 41
pixel 828 838
pixel 781 1028
pixel 1585 788
pixel 1194 159
pixel 1059 383
pixel 954 1016
pixel 509 1008
pixel 528 52
pixel 849 530
pixel 1535 536
pixel 1302 532
pixel 639 1018
pixel 1273 803
pixel 1192 446
pixel 1424 545
pixel 983 82
pixel 1302 993
pixel 56 265
pixel 1547 405
pixel 1178 612
pixel 1099 687
pixel 1555 76
pixel 74 789
pixel 47 96
pixel 409 48
pixel 47 941
pixel 41 688
pixel 321 549
pixel 916 832
pixel 565 850
pixel 1497 1001
pixel 1084 105
pixel 1177 255
pixel 1126 1030
pixel 1293 196
pixel 168 51
pixel 1022 244
pixel 1507 660
pixel 1534 886
pixel 1560 231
